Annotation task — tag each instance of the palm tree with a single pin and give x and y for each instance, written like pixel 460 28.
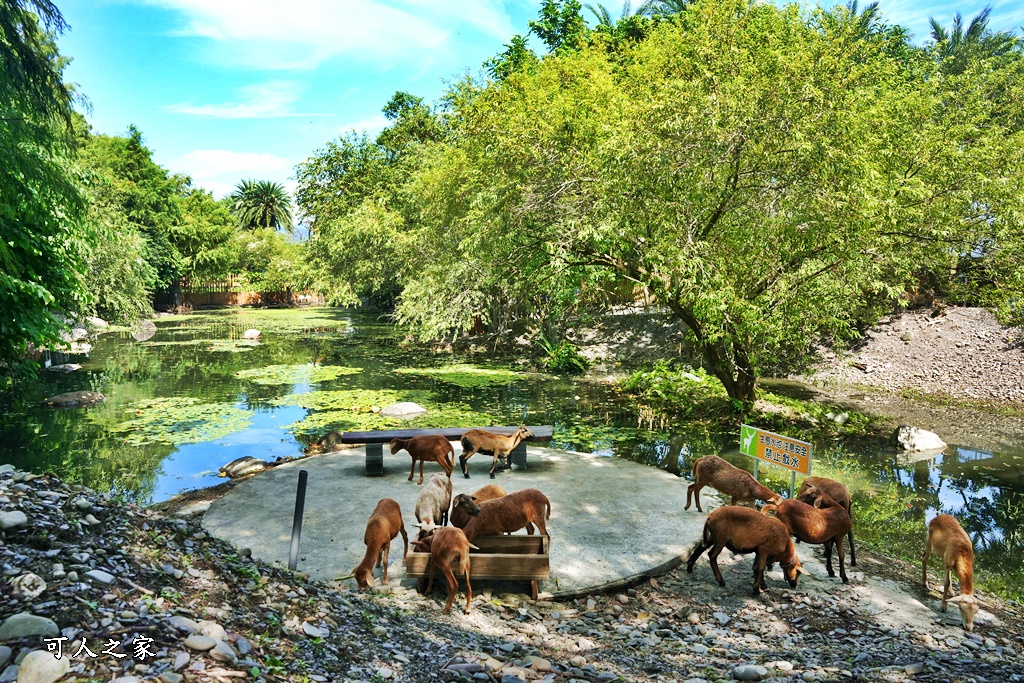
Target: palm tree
pixel 604 17
pixel 262 203
pixel 956 47
pixel 663 7
pixel 868 21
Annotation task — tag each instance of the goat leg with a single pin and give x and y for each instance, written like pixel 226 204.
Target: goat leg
pixel 422 462
pixel 453 588
pixel 713 559
pixel 838 540
pixel 760 560
pixel 469 588
pixel 924 562
pixel 412 470
pixel 828 557
pixel 405 541
pixel 384 557
pixel 695 555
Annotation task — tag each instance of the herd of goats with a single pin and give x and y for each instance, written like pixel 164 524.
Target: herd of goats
pixel 819 514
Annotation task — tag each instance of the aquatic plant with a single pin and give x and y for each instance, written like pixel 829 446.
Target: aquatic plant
pixel 467 376
pixel 180 420
pixel 295 374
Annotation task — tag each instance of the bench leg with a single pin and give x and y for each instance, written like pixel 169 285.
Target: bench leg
pixel 374 460
pixel 519 456
pixel 533 590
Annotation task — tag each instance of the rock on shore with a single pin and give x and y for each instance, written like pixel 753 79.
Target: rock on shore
pixel 182 606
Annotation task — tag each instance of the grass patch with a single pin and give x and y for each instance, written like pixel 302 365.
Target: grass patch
pixel 941 398
pixel 295 374
pixel 467 376
pixel 180 420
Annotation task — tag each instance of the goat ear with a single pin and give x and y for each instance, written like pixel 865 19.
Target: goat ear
pixel 817 502
pixel 801 570
pixel 955 598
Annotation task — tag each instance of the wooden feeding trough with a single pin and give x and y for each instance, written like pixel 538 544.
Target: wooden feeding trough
pixel 500 558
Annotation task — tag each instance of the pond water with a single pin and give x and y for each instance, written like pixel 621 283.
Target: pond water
pixel 197 395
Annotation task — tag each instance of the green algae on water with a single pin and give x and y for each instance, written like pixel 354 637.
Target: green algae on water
pixel 180 420
pixel 295 374
pixel 467 376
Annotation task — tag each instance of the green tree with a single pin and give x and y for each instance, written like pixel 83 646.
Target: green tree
pixel 204 234
pixel 43 241
pixel 956 47
pixel 262 203
pixel 732 166
pixel 560 24
pixel 517 56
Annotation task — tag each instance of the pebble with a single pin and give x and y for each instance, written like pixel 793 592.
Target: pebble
pixel 92 520
pixel 749 673
pixel 13 519
pixel 40 666
pixel 171 677
pixel 578 660
pixel 5 656
pixel 180 661
pixel 100 575
pixel 379 631
pixel 200 643
pixel 183 623
pixel 222 652
pixel 25 625
pixel 385 672
pixel 212 629
pixel 914 669
pixel 722 618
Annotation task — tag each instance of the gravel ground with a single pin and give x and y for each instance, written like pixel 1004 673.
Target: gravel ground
pixel 118 578
pixel 963 353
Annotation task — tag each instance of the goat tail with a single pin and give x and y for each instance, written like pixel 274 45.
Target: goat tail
pixel 707 535
pixel 548 505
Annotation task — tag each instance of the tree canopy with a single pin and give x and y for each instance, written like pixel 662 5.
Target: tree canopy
pixel 262 204
pixel 773 176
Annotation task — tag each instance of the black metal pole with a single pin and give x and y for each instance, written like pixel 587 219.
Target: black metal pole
pixel 300 504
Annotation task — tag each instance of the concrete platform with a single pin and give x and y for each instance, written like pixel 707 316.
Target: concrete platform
pixel 612 521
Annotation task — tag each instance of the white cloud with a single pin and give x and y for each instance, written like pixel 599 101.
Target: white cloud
pixel 305 33
pixel 220 170
pixel 371 125
pixel 274 99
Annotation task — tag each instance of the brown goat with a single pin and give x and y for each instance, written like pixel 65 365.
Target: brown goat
pixel 838 492
pixel 743 530
pixel 466 506
pixel 429 447
pixel 823 522
pixel 448 548
pixel 728 479
pixel 489 443
pixel 511 513
pixel 384 524
pixel 948 540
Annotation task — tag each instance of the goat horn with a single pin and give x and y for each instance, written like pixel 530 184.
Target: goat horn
pixel 345 578
pixel 803 571
pixel 473 547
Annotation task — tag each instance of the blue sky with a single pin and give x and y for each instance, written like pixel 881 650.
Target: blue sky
pixel 225 90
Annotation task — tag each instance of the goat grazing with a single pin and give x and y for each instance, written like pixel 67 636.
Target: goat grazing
pixel 743 530
pixel 948 540
pixel 429 447
pixel 838 492
pixel 824 521
pixel 433 501
pixel 448 548
pixel 511 513
pixel 732 481
pixel 384 524
pixel 466 506
pixel 489 443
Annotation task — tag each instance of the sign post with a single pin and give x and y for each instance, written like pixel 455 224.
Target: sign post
pixel 776 449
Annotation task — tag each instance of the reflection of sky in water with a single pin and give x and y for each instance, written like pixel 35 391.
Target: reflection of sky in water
pixel 196 465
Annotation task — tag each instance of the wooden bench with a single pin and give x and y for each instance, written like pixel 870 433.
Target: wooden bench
pixel 375 442
pixel 500 558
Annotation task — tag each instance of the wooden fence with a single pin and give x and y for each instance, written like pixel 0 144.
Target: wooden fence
pixel 236 291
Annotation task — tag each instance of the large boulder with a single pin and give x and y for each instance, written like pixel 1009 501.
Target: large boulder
pixel 240 467
pixel 403 409
pixel 74 399
pixel 98 323
pixel 916 439
pixel 65 367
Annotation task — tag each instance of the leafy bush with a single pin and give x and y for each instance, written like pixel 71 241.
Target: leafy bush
pixel 564 357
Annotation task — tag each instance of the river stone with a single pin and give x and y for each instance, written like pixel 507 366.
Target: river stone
pixel 65 367
pixel 722 618
pixel 42 667
pixel 183 623
pixel 7 467
pixel 97 322
pixel 171 677
pixel 74 399
pixel 403 409
pixel 12 519
pixel 537 663
pixel 27 586
pixel 200 643
pixel 242 466
pixel 749 673
pixel 252 334
pixel 5 655
pixel 24 625
pixel 914 669
pixel 212 629
pixel 917 439
pixel 100 575
pixel 222 652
